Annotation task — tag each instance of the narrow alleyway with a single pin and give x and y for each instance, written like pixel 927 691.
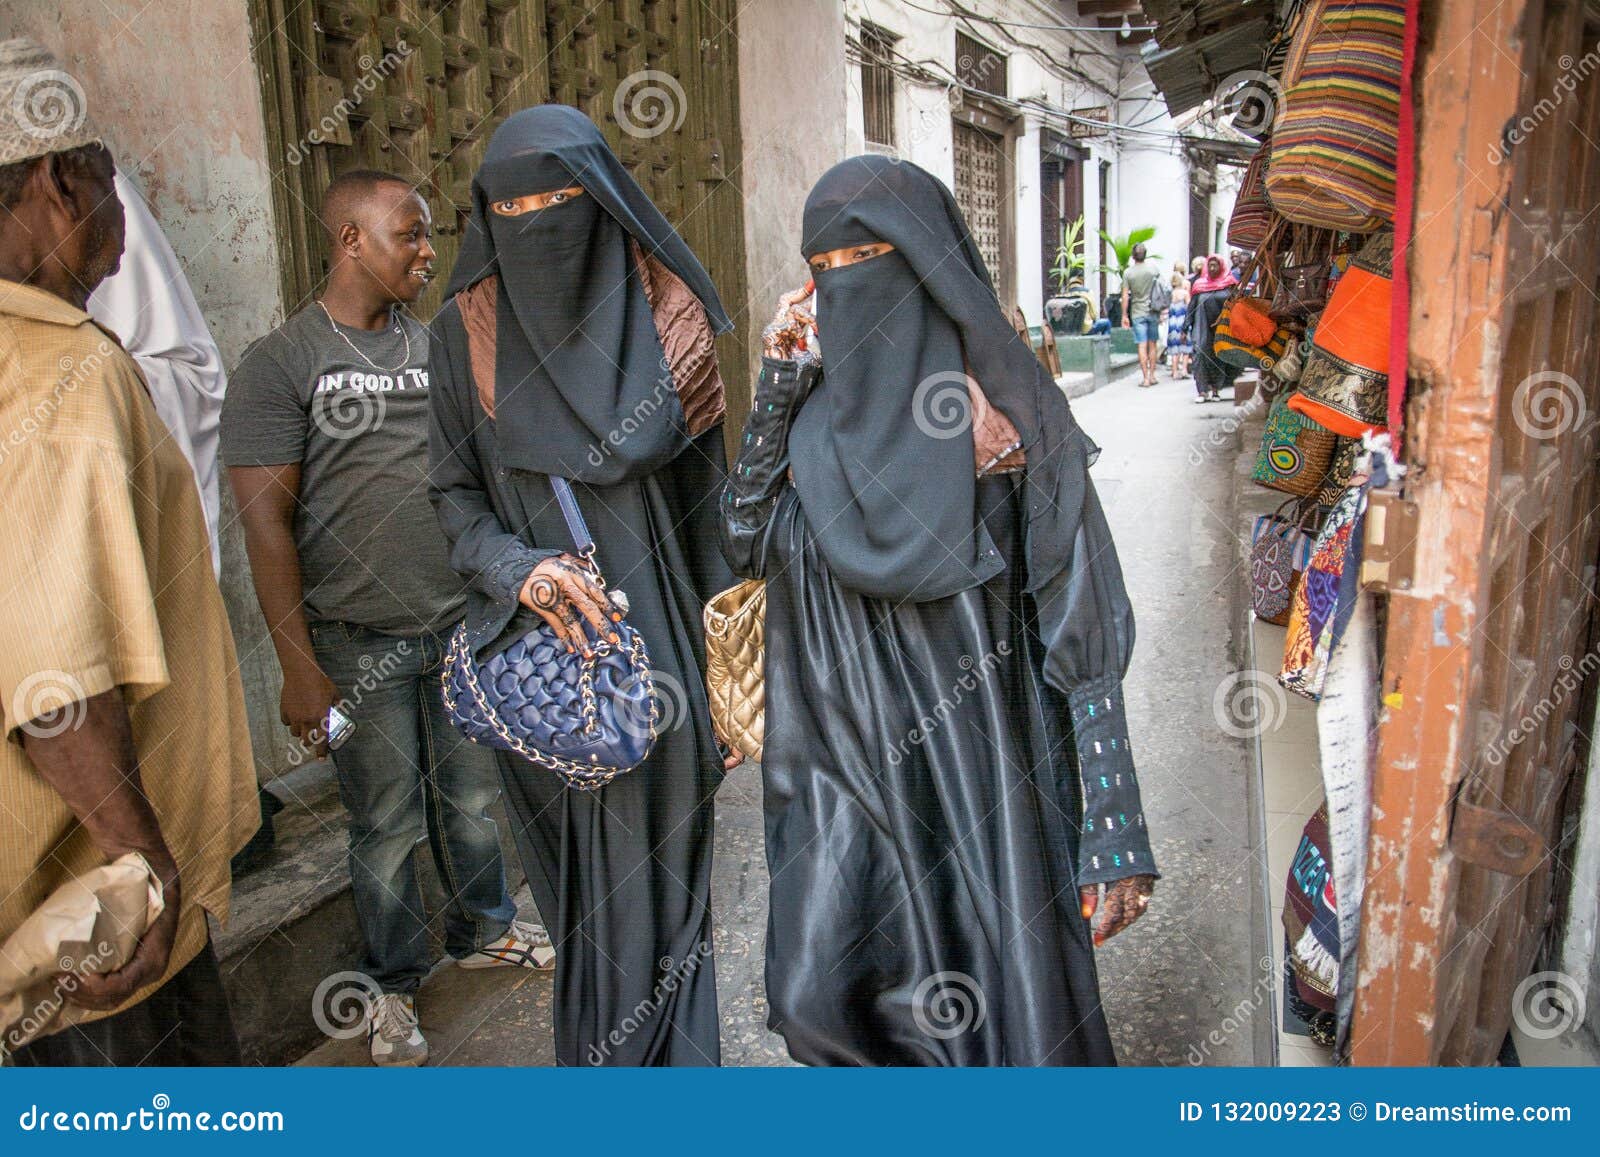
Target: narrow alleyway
pixel 1182 973
pixel 1166 476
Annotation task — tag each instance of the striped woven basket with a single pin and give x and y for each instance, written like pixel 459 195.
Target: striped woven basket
pixel 1252 215
pixel 1334 147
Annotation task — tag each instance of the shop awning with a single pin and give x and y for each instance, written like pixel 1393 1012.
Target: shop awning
pixel 1198 45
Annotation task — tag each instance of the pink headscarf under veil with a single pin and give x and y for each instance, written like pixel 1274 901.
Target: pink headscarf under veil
pixel 1205 283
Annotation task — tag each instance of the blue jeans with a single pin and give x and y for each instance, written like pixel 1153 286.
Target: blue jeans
pixel 406 772
pixel 1145 328
pixel 1103 325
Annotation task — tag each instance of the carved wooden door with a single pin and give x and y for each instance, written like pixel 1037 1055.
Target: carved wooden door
pixel 417 86
pixel 1490 653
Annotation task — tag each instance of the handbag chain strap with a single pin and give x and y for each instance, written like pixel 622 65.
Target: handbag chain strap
pixel 584 776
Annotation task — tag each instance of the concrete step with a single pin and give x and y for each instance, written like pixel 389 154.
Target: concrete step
pixel 502 1016
pixel 293 922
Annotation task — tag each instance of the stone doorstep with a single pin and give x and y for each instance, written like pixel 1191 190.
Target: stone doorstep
pixel 293 921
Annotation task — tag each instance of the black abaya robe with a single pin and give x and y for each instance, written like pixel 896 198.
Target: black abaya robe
pixel 925 796
pixel 622 876
pixel 1211 373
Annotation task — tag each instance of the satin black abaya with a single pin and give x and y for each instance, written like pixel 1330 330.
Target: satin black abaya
pixel 621 875
pixel 945 761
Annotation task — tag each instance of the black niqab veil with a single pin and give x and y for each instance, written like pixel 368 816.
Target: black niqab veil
pixel 887 489
pixel 577 358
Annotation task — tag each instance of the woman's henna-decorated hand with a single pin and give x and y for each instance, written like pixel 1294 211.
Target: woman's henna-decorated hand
pixel 564 593
pixel 786 336
pixel 1125 901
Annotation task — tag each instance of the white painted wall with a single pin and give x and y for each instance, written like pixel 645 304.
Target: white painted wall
pixel 1048 73
pixel 791 56
pixel 1152 173
pixel 1222 199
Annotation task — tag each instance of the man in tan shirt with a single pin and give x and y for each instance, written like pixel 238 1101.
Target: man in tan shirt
pixel 123 718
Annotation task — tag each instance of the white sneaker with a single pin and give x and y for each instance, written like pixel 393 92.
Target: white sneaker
pixel 523 946
pixel 392 1032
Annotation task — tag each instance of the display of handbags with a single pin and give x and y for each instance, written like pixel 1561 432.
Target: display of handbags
pixel 1296 453
pixel 1345 383
pixel 1280 548
pixel 1305 275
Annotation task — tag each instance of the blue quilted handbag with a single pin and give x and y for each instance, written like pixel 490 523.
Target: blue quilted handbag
pixel 588 720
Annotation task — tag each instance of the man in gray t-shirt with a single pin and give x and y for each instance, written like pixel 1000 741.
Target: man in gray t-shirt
pixel 350 405
pixel 325 435
pixel 1137 311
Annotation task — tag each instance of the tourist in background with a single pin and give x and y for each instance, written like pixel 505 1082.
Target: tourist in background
pixel 1178 347
pixel 1211 292
pixel 1142 313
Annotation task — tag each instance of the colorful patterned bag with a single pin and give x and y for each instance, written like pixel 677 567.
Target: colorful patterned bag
pixel 1311 930
pixel 1295 453
pixel 1335 146
pixel 1325 596
pixel 1247 335
pixel 1340 471
pixel 1235 352
pixel 1252 215
pixel 1280 548
pixel 1345 384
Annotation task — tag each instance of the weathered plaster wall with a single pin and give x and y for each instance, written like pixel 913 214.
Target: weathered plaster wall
pixel 173 89
pixel 791 117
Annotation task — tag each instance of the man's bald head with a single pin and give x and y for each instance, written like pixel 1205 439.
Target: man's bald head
pixel 361 198
pixel 379 237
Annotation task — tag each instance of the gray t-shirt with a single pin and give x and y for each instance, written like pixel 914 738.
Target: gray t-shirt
pixel 1139 279
pixel 371 551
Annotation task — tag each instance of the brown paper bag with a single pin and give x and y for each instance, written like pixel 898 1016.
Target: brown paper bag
pixel 90 924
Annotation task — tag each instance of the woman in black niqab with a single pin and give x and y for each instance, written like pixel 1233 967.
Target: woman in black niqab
pixel 946 758
pixel 550 358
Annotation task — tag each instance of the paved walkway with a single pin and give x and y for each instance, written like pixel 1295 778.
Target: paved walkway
pixel 1180 987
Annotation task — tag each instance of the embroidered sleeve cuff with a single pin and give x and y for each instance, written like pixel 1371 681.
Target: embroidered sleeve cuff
pixel 1115 842
pixel 780 388
pixel 508 573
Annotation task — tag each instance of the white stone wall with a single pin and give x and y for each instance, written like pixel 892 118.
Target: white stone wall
pixel 1048 73
pixel 794 124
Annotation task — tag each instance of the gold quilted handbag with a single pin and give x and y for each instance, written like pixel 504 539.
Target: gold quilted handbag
pixel 736 622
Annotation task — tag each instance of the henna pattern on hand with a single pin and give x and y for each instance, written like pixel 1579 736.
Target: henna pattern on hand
pixel 543 592
pixel 786 335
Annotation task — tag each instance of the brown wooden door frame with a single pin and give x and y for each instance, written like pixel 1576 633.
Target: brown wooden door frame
pixel 1449 923
pixel 1060 196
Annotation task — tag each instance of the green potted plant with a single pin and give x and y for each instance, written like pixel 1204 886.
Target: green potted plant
pixel 1069 263
pixel 1122 248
